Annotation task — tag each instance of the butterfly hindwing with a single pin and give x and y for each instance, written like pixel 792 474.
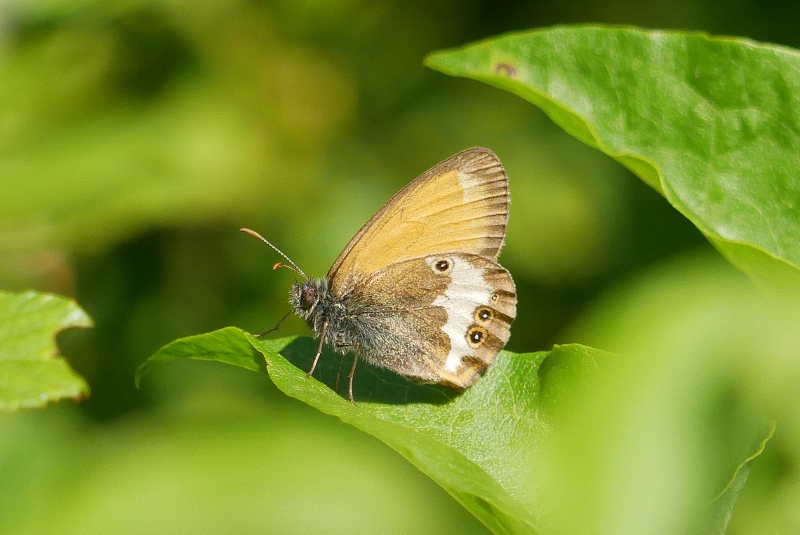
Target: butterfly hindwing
pixel 439 319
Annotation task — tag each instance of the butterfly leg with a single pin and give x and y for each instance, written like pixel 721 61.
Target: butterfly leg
pixel 352 373
pixel 340 345
pixel 278 326
pixel 319 349
pixel 338 373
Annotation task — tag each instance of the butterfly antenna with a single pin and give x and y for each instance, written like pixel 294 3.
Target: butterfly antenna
pixel 291 265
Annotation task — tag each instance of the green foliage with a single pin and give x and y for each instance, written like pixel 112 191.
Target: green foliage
pixel 710 123
pixel 31 372
pixel 136 137
pixel 479 445
pixel 725 161
pixel 469 444
pixel 714 357
pixel 215 459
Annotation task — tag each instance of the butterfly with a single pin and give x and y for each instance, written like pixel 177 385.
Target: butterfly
pixel 418 289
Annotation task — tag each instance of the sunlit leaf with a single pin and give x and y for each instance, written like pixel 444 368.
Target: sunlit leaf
pixel 31 372
pixel 468 443
pixel 478 445
pixel 711 123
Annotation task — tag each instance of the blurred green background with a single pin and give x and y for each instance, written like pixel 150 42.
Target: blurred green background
pixel 137 137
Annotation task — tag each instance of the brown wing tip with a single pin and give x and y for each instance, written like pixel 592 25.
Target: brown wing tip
pixel 477 152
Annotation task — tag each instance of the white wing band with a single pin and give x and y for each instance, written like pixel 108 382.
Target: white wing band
pixel 466 291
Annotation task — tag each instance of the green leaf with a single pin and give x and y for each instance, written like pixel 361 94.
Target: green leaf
pixel 479 445
pixel 713 124
pixel 714 357
pixel 31 373
pixel 226 345
pixel 470 443
pixel 722 506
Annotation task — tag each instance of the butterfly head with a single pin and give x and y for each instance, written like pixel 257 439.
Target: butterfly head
pixel 307 296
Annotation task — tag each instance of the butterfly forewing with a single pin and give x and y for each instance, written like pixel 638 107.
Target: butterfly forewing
pixel 459 205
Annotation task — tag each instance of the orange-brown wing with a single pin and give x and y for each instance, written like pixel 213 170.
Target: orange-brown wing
pixel 460 205
pixel 431 324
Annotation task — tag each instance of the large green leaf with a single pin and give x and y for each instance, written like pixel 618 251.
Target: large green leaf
pixel 481 445
pixel 473 444
pixel 469 444
pixel 31 373
pixel 713 124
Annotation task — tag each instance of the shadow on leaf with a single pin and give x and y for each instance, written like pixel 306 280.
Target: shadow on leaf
pixel 371 384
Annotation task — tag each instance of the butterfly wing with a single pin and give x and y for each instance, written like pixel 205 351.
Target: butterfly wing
pixel 459 205
pixel 438 319
pixel 425 296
